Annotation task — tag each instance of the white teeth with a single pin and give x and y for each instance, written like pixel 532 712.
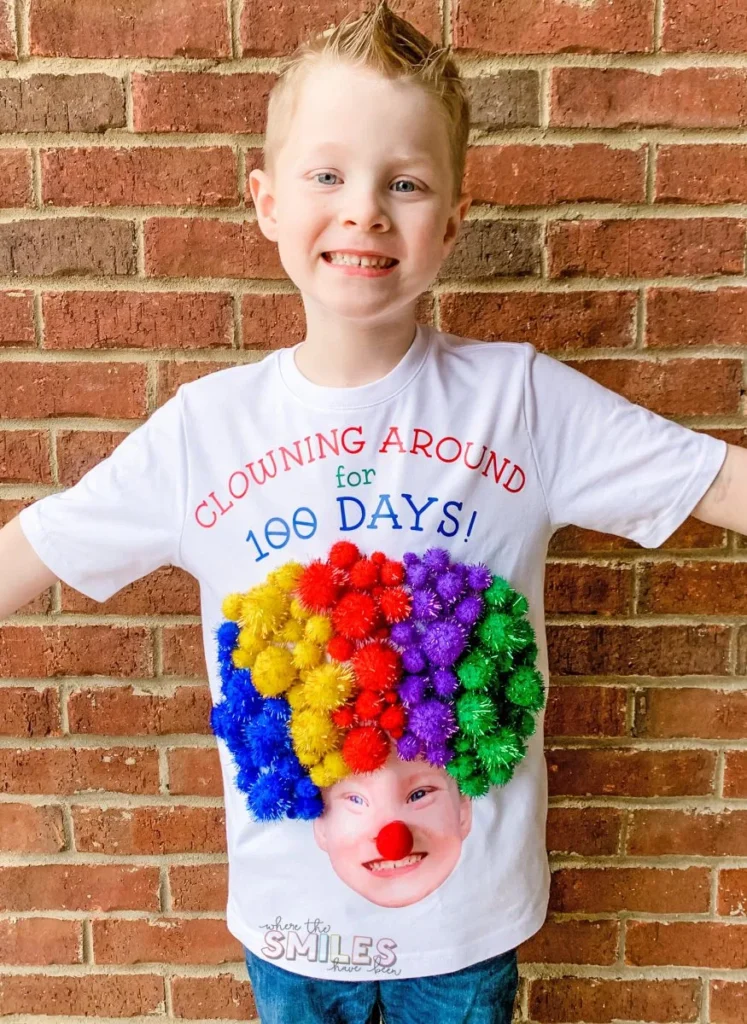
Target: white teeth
pixel 386 865
pixel 359 261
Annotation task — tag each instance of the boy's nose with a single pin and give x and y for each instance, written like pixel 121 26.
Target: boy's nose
pixel 394 841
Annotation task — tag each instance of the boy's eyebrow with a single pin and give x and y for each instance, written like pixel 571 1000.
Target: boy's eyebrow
pixel 401 158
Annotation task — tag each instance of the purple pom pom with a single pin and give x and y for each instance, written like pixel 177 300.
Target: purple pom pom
pixel 438 754
pixel 443 642
pixel 412 689
pixel 403 634
pixel 410 558
pixel 426 605
pixel 432 721
pixel 469 610
pixel 413 660
pixel 479 576
pixel 445 682
pixel 416 575
pixel 436 560
pixel 409 746
pixel 450 586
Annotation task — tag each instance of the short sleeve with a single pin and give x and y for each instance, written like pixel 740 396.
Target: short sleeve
pixel 608 464
pixel 124 517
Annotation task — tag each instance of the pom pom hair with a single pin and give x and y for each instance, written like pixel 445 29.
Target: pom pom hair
pixel 327 667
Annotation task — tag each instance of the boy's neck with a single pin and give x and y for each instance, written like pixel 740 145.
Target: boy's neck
pixel 342 360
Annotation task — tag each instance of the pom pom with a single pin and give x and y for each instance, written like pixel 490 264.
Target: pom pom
pixel 443 642
pixel 328 686
pixel 479 577
pixel 379 557
pixel 445 682
pixel 368 705
pixel 426 604
pixel 450 586
pixel 413 660
pixel 365 748
pixel 395 604
pixel 314 735
pixel 286 576
pixel 274 671
pixel 344 717
pixel 416 575
pixel 392 573
pixel 306 655
pixel 343 553
pixel 290 633
pixel 410 558
pixel 319 585
pixel 269 797
pixel 475 670
pixel 432 721
pixel 264 609
pixel 476 713
pixel 409 747
pixel 526 688
pixel 376 666
pixel 226 635
pixel 403 634
pixel 355 616
pixel 318 629
pixel 436 560
pixel 469 610
pixel 412 689
pixel 395 841
pixel 340 649
pixel 392 718
pixel 364 574
pixel 231 606
pixel 330 769
pixel 499 593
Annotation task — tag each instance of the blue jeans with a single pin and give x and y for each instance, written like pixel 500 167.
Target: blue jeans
pixel 483 993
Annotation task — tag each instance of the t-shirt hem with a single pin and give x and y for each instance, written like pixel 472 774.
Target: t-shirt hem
pixel 33 531
pixel 414 965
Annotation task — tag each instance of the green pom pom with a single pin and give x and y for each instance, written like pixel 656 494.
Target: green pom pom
pixel 522 722
pixel 522 633
pixel 518 605
pixel 501 774
pixel 525 688
pixel 495 631
pixel 499 593
pixel 462 744
pixel 462 766
pixel 475 713
pixel 475 786
pixel 475 670
pixel 501 749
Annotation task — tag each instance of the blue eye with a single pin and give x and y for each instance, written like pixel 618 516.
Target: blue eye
pixel 409 182
pixel 416 791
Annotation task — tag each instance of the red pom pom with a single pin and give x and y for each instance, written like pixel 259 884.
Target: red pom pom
pixel 343 553
pixel 343 717
pixel 355 616
pixel 364 574
pixel 395 604
pixel 381 634
pixel 379 557
pixel 392 573
pixel 396 734
pixel 339 649
pixel 318 585
pixel 391 696
pixel 368 705
pixel 392 717
pixel 377 666
pixel 365 748
pixel 395 841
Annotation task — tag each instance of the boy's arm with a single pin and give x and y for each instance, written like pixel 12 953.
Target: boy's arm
pixel 22 573
pixel 725 501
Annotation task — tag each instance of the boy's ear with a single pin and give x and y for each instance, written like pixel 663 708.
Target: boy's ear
pixel 458 214
pixel 261 188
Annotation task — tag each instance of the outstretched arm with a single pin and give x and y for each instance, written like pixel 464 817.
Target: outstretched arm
pixel 725 501
pixel 22 573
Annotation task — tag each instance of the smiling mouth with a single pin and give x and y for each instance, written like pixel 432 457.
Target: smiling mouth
pixel 390 867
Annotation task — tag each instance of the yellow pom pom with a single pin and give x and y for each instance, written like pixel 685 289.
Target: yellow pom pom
pixel 273 671
pixel 296 697
pixel 328 686
pixel 298 611
pixel 250 644
pixel 231 606
pixel 330 770
pixel 265 609
pixel 313 733
pixel 291 632
pixel 306 655
pixel 287 576
pixel 241 659
pixel 319 629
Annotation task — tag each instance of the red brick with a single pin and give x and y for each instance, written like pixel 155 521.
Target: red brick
pixel 627 98
pixel 582 589
pixel 691 711
pixel 201 247
pixel 712 28
pixel 129 28
pixel 67 246
pixel 94 995
pixel 62 103
pixel 552 26
pixel 30 829
pixel 198 886
pixel 552 321
pixel 15 177
pixel 609 772
pixel 504 99
pixel 588 831
pixel 90 887
pixel 604 1000
pixel 586 711
pixel 28 712
pixel 120 711
pixel 182 651
pixel 638 650
pixel 34 390
pixel 193 941
pixel 24 457
pixel 167 591
pixel 139 176
pixel 572 942
pixel 701 174
pixel 695 833
pixel 67 771
pixel 148 320
pixel 682 317
pixel 220 997
pixel 672 388
pixel 30 652
pixel 149 831
pixel 732 893
pixel 693 588
pixel 201 101
pixel 40 941
pixel 523 175
pixel 691 535
pixel 267 31
pixel 728 1000
pixel 172 375
pixel 686 943
pixel 735 773
pixel 7 37
pixel 271 321
pixel 639 890
pixel 650 247
pixel 16 319
pixel 194 771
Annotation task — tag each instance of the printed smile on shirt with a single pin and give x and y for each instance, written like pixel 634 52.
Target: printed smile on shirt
pixel 394 835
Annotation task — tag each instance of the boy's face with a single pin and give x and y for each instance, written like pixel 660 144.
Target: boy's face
pixel 422 796
pixel 365 166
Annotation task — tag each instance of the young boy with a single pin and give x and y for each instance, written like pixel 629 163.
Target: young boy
pixel 398 437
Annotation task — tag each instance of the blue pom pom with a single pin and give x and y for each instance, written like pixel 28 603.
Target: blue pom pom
pixel 246 777
pixel 307 810
pixel 269 797
pixel 226 635
pixel 265 737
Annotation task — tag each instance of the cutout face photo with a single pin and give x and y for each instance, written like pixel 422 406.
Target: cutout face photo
pixel 394 835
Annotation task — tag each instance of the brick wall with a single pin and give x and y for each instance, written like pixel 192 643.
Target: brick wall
pixel 609 170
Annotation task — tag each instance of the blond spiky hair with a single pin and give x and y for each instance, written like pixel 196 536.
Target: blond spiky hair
pixel 384 42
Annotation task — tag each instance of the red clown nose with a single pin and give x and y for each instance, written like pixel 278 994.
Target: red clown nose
pixel 394 841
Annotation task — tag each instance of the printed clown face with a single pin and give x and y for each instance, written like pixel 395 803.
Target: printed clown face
pixel 394 835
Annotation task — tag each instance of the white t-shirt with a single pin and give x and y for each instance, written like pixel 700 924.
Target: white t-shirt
pixel 481 448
